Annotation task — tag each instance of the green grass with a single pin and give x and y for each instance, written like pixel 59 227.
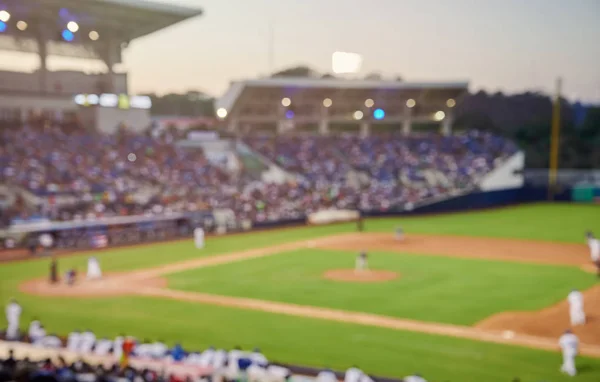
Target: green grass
pixel 431 288
pixel 314 342
pixel 309 341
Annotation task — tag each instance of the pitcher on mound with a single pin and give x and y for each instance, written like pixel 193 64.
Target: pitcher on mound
pixel 93 269
pixel 361 262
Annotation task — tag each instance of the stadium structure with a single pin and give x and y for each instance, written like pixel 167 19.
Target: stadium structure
pixel 83 169
pixel 88 29
pixel 290 103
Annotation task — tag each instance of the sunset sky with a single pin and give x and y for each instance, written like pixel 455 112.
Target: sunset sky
pixel 507 45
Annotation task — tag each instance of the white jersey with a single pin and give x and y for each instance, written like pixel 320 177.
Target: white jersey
pixel 594 245
pixel 86 342
pixel 413 378
pixel 33 327
pixel 199 238
pixel 353 375
pixel 103 347
pixel 144 350
pixel 159 350
pixel 575 299
pixel 569 343
pixel 73 341
pixel 118 347
pixel 13 313
pixel 37 335
pixel 219 359
pixel 327 376
pixel 51 342
pixel 259 359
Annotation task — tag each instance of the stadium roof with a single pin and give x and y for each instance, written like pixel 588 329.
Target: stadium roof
pixel 241 91
pixel 125 20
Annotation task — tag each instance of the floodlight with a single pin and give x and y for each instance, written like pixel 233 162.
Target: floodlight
pixel 21 25
pixel 451 102
pixel 358 115
pixel 67 35
pixel 369 103
pixel 222 113
pixel 438 116
pixel 379 114
pixel 73 26
pixel 411 103
pixel 4 16
pixel 131 157
pixel 327 102
pixel 94 36
pixel 344 62
pixel 286 102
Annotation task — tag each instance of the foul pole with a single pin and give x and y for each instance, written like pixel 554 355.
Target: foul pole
pixel 554 141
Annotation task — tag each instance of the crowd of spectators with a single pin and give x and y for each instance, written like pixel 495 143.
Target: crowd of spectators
pixel 135 174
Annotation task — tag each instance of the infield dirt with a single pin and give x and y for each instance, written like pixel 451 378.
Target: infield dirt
pixel 538 329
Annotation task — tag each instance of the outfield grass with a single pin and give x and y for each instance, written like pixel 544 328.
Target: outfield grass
pixel 306 341
pixel 431 288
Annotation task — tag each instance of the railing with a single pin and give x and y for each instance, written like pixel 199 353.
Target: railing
pixel 564 178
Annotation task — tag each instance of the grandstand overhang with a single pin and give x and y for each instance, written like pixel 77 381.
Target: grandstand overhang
pixel 310 101
pixel 117 22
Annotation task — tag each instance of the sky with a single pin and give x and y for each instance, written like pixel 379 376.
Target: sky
pixel 497 45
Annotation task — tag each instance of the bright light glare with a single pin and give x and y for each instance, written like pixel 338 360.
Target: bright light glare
pixel 411 103
pixel 222 113
pixel 369 103
pixel 327 102
pixel 94 36
pixel 439 115
pixel 21 25
pixel 4 16
pixel 344 62
pixel 451 103
pixel 131 157
pixel 286 102
pixel 358 115
pixel 73 26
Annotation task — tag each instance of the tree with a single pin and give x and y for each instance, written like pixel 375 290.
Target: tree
pixel 297 71
pixel 374 76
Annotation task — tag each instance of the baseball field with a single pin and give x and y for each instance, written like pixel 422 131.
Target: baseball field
pixel 476 296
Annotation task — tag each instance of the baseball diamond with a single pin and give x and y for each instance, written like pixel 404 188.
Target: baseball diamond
pixel 501 284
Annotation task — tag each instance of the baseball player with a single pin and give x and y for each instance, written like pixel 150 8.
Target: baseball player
pixel 199 238
pixel 361 262
pixel 569 344
pixel 93 269
pixel 13 316
pixel 594 245
pixel 576 312
pixel 399 233
pixel 53 271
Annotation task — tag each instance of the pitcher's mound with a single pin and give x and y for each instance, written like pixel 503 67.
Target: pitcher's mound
pixel 351 275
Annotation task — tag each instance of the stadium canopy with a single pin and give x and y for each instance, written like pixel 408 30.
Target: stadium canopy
pixel 103 26
pixel 291 101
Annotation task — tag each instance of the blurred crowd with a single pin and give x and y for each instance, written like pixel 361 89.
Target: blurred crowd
pixel 135 174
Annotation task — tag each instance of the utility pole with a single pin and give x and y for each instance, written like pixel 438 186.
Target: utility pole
pixel 554 141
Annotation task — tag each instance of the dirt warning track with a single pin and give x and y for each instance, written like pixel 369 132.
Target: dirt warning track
pixel 150 282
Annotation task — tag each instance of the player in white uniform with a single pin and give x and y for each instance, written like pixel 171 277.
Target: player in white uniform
pixel 399 233
pixel 569 344
pixel 199 238
pixel 576 311
pixel 354 374
pixel 414 378
pixel 93 269
pixel 361 262
pixel 13 316
pixel 594 245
